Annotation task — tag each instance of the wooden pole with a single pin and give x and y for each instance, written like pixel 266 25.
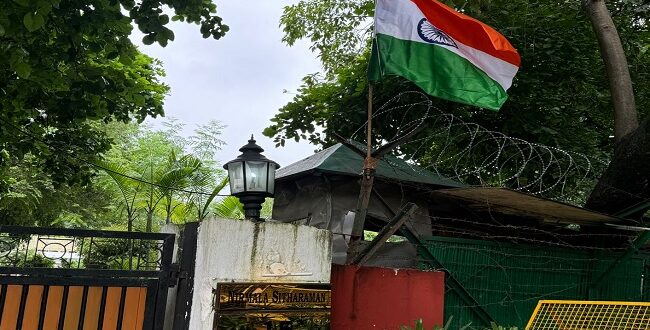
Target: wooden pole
pixel 367 179
pixel 369 126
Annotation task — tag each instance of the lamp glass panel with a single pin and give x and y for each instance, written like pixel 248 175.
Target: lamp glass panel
pixel 236 174
pixel 256 176
pixel 271 179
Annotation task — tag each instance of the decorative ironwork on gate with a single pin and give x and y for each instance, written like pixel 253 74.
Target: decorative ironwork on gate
pixel 80 249
pixel 68 278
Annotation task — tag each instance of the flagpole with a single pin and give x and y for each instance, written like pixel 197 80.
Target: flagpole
pixel 367 178
pixel 369 126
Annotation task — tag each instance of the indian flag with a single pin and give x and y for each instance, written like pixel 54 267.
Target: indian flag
pixel 447 54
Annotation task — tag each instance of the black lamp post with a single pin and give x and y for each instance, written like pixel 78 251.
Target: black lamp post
pixel 252 178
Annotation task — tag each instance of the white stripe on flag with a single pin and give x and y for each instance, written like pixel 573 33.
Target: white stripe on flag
pixel 400 18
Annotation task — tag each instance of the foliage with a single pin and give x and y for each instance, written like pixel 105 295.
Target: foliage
pixel 184 185
pixel 267 208
pixel 229 208
pixel 370 235
pixel 111 253
pixel 201 181
pixel 559 98
pixel 128 189
pixel 230 322
pixel 65 65
pixel 36 260
pixel 419 325
pixel 32 198
pixel 335 28
pixel 494 326
pixel 160 177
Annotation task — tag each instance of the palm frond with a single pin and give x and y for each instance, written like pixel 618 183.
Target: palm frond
pixel 203 211
pixel 229 208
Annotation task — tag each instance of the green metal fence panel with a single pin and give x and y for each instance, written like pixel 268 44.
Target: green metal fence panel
pixel 508 279
pixel 646 280
pixel 626 281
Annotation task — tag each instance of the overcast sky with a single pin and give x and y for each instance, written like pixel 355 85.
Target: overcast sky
pixel 238 79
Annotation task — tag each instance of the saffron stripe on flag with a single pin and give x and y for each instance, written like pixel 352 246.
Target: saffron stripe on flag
pixel 468 30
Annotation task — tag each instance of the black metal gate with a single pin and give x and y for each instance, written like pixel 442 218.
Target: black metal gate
pixel 83 279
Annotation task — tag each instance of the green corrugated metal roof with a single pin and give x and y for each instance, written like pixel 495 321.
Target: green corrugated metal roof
pixel 339 159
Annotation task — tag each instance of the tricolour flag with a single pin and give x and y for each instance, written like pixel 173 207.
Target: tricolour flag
pixel 447 54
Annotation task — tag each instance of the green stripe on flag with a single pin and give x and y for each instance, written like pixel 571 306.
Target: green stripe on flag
pixel 438 71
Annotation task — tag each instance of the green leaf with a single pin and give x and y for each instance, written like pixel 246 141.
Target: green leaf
pixel 112 55
pixel 138 100
pixel 126 59
pixel 2 31
pixel 33 21
pixel 148 39
pixel 128 4
pixel 44 8
pixel 23 70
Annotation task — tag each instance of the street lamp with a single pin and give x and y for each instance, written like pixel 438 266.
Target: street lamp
pixel 252 178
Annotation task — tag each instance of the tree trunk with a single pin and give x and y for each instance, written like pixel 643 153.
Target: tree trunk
pixel 129 225
pixel 149 221
pixel 620 83
pixel 626 182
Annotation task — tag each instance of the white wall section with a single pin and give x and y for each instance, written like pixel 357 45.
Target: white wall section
pixel 243 251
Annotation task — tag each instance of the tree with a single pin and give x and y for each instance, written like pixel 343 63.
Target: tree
pixel 626 182
pixel 625 114
pixel 176 178
pixel 129 189
pixel 162 176
pixel 231 208
pixel 67 64
pixel 33 198
pixel 202 182
pixel 559 98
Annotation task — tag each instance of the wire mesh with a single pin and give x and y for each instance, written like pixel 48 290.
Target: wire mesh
pixel 586 315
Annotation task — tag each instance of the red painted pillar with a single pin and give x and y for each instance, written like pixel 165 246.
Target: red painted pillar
pixel 385 298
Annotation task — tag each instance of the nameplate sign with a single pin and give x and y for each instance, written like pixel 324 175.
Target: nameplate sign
pixel 251 297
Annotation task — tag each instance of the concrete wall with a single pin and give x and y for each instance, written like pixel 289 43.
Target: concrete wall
pixel 385 298
pixel 243 251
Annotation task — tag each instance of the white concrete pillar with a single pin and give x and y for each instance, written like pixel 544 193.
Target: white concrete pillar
pixel 243 251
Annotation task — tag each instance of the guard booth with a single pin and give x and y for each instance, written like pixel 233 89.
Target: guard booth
pixel 272 306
